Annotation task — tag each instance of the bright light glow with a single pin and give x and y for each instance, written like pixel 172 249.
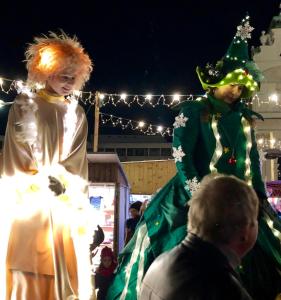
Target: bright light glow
pixel 260 141
pixel 148 97
pixel 272 141
pixel 160 128
pixel 47 56
pixel 1 81
pixel 273 98
pixel 249 144
pixel 123 96
pixel 176 97
pixel 247 161
pixel 218 152
pixel 19 84
pixel 270 223
pixel 39 86
pixel 30 196
pixel 141 124
pixel 101 96
pixel 2 103
pixel 77 93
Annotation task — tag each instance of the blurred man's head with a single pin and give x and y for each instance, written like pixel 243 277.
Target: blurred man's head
pixel 135 209
pixel 224 212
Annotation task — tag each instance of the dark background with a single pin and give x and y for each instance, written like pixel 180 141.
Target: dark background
pixel 138 47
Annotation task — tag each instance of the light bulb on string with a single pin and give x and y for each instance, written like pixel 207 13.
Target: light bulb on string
pixel 148 97
pixel 123 96
pixel 101 96
pixel 176 97
pixel 273 98
pixel 159 128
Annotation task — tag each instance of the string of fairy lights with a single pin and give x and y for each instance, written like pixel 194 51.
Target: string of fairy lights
pixel 141 126
pixel 87 97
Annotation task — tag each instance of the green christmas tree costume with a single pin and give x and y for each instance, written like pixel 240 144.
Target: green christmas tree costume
pixel 209 136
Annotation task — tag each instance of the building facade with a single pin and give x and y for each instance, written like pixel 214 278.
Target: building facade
pixel 268 101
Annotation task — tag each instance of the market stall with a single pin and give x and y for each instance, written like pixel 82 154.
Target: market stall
pixel 109 196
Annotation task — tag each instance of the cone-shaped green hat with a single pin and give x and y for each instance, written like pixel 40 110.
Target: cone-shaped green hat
pixel 235 67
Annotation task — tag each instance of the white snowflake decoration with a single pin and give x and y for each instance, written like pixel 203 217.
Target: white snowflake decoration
pixel 192 184
pixel 178 154
pixel 180 121
pixel 244 31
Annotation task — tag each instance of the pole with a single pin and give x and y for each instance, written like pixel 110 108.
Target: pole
pixel 96 121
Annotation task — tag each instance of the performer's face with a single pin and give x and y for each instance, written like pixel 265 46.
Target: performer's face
pixel 62 83
pixel 229 93
pixel 134 212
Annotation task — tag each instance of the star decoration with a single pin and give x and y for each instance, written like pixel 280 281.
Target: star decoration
pixel 180 121
pixel 244 31
pixel 178 154
pixel 192 184
pixel 226 149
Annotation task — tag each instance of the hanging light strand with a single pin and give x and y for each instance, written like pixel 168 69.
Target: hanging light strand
pixel 145 128
pixel 141 100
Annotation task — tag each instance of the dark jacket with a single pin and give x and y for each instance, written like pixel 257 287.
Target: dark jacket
pixel 194 270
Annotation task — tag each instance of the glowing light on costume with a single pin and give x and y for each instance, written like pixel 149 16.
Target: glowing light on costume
pixel 69 123
pixel 218 147
pixel 30 196
pixel 247 132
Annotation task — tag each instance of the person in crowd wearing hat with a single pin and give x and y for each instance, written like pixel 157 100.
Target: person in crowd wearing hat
pixel 222 228
pixel 104 273
pixel 213 134
pixel 45 163
pixel 131 223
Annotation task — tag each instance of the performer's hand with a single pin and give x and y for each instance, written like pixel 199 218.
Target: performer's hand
pixel 56 186
pixel 98 238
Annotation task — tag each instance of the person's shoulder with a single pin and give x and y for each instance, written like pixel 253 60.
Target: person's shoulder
pixel 25 102
pixel 129 222
pixel 196 105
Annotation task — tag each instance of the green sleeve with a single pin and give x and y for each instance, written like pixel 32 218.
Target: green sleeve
pixel 257 181
pixel 184 143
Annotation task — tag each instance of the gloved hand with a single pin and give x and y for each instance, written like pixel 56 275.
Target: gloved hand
pixel 98 238
pixel 56 186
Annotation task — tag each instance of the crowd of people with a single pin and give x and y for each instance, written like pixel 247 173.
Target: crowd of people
pixel 202 236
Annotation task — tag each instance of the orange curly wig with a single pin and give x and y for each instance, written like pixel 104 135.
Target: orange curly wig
pixel 51 54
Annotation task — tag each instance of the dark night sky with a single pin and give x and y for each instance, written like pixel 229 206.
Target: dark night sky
pixel 137 46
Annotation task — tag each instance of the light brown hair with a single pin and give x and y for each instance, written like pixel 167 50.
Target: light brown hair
pixel 221 206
